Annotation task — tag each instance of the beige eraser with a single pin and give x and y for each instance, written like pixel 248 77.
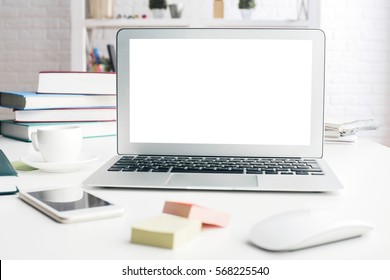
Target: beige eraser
pixel 192 211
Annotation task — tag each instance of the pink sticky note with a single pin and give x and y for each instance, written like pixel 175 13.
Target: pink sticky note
pixel 192 211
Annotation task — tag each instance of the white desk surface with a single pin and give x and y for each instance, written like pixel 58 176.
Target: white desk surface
pixel 363 168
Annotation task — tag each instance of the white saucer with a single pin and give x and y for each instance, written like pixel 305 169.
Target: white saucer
pixel 35 160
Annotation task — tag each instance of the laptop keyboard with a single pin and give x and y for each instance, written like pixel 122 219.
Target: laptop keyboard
pixel 227 165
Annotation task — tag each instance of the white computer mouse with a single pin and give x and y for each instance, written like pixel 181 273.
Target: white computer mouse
pixel 305 228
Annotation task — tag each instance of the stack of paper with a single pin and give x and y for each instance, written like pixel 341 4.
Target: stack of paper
pixel 346 132
pixel 334 137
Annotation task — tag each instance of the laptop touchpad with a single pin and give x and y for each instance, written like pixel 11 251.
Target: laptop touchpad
pixel 212 180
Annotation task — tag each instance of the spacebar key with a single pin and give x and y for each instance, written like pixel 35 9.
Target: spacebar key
pixel 208 170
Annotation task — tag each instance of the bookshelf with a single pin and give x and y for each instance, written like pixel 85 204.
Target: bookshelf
pixel 82 27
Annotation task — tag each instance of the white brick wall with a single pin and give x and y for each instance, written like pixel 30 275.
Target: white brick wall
pixel 35 34
pixel 358 62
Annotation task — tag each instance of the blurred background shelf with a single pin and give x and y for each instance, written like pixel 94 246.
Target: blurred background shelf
pixel 256 23
pixel 121 23
pixel 196 14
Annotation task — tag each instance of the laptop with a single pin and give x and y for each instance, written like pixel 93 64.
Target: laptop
pixel 219 109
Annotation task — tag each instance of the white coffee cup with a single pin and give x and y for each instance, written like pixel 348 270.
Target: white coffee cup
pixel 59 143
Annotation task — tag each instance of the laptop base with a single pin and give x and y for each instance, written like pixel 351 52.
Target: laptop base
pixel 219 182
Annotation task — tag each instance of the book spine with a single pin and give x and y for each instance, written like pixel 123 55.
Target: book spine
pixel 22 131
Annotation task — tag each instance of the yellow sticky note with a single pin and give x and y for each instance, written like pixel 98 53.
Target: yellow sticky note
pixel 166 231
pixel 18 165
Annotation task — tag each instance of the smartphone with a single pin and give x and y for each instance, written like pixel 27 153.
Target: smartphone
pixel 70 204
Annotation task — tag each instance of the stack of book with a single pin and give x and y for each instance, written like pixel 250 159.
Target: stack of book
pixel 85 98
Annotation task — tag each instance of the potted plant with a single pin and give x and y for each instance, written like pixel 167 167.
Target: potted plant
pixel 246 7
pixel 158 7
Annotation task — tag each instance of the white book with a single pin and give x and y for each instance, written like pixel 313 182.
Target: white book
pixel 77 82
pixel 33 100
pixel 6 113
pixel 22 131
pixel 66 115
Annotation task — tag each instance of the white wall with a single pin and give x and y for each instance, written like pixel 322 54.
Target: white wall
pixel 35 34
pixel 358 62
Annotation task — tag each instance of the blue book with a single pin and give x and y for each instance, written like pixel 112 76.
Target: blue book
pixel 33 100
pixel 22 131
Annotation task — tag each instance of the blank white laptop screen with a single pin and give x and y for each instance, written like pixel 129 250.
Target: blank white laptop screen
pixel 220 91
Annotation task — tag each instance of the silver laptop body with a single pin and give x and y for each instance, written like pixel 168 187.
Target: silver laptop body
pixel 249 102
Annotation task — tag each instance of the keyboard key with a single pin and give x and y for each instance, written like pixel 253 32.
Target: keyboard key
pixel 282 169
pixel 269 170
pixel 144 169
pixel 252 169
pixel 254 172
pixel 115 169
pixel 300 169
pixel 160 169
pixel 178 169
pixel 129 169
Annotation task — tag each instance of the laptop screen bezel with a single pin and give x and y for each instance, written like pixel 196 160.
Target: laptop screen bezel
pixel 314 149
